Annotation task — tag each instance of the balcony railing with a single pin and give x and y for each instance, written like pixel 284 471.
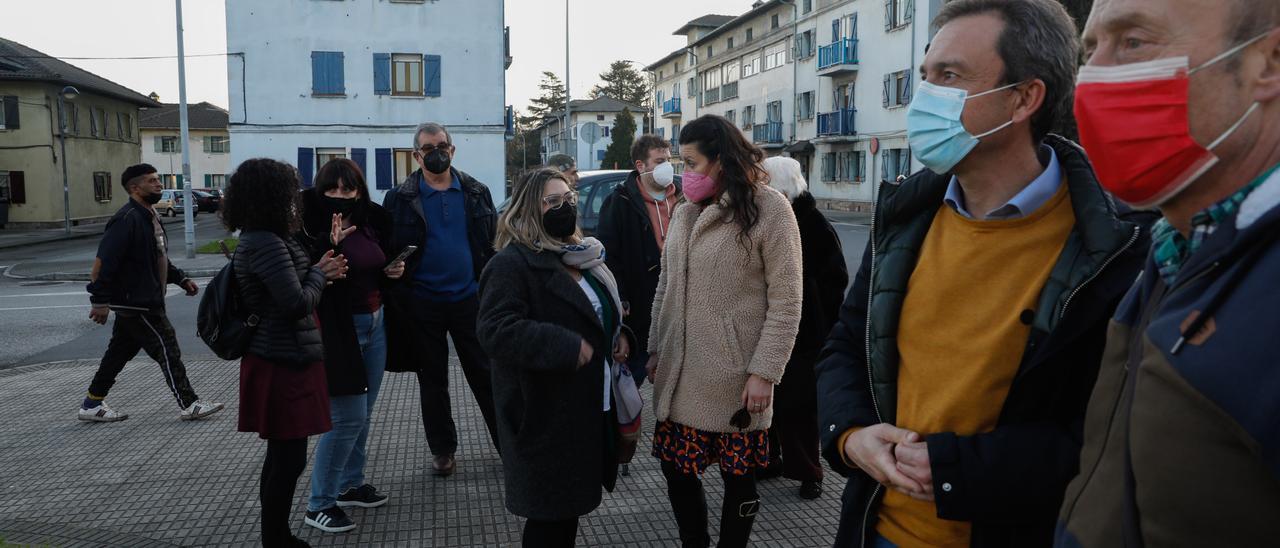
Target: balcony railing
pixel 671 106
pixel 729 91
pixel 837 123
pixel 768 132
pixel 711 96
pixel 842 52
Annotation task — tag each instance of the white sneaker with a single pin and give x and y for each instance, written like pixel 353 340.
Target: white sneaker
pixel 101 413
pixel 199 410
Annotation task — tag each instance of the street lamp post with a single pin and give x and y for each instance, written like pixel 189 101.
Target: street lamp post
pixel 68 93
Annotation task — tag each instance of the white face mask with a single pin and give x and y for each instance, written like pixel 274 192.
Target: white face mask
pixel 663 175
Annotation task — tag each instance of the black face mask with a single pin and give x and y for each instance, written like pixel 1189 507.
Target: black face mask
pixel 343 206
pixel 560 222
pixel 152 198
pixel 437 162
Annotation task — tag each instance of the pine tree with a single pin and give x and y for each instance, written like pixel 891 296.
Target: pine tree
pixel 624 83
pixel 551 99
pixel 618 155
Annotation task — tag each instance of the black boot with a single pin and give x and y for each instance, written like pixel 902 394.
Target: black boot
pixel 741 504
pixel 689 504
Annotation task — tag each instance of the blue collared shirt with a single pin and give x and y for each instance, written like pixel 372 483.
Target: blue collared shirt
pixel 1024 203
pixel 445 272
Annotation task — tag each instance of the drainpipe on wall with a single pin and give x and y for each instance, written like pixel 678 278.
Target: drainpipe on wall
pixel 795 68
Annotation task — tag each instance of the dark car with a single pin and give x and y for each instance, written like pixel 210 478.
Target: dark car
pixel 208 200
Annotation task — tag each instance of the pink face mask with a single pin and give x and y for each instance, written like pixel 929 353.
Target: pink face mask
pixel 697 187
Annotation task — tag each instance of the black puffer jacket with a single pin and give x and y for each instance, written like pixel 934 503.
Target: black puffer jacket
pixel 277 281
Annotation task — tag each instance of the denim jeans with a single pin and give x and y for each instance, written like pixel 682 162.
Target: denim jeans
pixel 340 454
pixel 881 542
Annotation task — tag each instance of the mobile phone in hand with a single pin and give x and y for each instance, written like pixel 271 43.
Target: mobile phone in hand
pixel 408 250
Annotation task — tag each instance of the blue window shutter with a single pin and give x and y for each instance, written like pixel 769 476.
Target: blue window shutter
pixel 208 180
pixel 600 155
pixel 382 73
pixel 835 31
pixel 382 165
pixel 306 161
pixel 853 24
pixel 431 71
pixel 358 156
pixel 335 73
pixel 318 66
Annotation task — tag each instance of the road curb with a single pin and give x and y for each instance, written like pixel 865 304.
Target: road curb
pixel 76 236
pixel 84 276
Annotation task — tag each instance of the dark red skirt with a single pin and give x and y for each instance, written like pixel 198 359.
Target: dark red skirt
pixel 283 402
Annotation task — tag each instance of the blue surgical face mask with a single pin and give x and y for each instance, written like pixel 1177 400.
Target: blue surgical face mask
pixel 934 131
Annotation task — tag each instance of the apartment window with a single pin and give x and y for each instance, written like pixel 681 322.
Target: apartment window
pixel 127 123
pixel 599 117
pixel 859 168
pixel 750 35
pixel 13 187
pixel 120 125
pixel 710 52
pixel 807 6
pixel 773 22
pixel 102 186
pixel 730 46
pixel 604 131
pixel 675 90
pixel 731 71
pixel 327 76
pixel 804 105
pixel 750 65
pixel 9 112
pixel 748 116
pixel 97 122
pixel 898 13
pixel 217 144
pixel 217 180
pixel 773 112
pixel 711 79
pixel 323 155
pixel 829 167
pixel 731 116
pixel 805 46
pixel 171 180
pixel 677 67
pixel 405 164
pixel 895 162
pixel 72 118
pixel 406 74
pixel 775 56
pixel 168 144
pixel 693 87
pixel 897 89
pixel 661 75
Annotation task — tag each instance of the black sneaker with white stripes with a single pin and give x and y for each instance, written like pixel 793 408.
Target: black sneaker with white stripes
pixel 330 520
pixel 365 496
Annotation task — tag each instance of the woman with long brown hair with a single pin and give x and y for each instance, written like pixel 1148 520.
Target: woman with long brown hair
pixel 725 319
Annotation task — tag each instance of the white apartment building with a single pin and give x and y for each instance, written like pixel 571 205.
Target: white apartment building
pixel 323 79
pixel 586 116
pixel 209 144
pixel 824 81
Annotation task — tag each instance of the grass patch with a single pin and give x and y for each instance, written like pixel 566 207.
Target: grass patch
pixel 212 248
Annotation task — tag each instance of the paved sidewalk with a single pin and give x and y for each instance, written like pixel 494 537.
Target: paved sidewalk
pixel 156 481
pixel 202 266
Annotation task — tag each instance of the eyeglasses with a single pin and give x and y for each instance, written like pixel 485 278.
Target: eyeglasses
pixel 428 149
pixel 557 200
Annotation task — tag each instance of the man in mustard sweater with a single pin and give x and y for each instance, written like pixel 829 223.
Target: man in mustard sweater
pixel 953 389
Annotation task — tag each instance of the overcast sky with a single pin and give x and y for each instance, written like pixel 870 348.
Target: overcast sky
pixel 602 31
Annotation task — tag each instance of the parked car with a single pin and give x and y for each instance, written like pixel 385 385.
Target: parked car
pixel 207 200
pixel 170 204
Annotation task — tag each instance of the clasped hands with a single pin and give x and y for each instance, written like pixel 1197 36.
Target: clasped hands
pixel 894 457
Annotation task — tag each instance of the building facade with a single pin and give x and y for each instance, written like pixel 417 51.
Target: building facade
pixel 101 137
pixel 583 113
pixel 824 81
pixel 209 144
pixel 319 80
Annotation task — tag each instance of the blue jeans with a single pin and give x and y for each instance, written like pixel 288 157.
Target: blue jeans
pixel 881 542
pixel 340 454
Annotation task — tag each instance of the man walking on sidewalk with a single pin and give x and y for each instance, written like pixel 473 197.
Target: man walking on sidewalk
pixel 129 276
pixel 450 217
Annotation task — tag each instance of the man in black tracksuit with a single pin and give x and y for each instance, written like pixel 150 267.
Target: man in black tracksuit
pixel 130 274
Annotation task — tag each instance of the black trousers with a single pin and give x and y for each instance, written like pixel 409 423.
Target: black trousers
pixel 280 470
pixel 436 322
pixel 152 332
pixel 550 534
pixel 689 504
pixel 793 440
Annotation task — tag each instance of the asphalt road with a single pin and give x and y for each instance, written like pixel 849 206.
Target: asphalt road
pixel 49 321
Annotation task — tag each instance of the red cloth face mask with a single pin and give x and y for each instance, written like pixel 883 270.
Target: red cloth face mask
pixel 1133 123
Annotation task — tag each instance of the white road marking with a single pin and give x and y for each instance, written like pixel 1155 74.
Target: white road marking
pixel 83 293
pixel 45 307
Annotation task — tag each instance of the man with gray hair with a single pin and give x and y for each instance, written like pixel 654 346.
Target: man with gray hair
pixel 1177 106
pixel 952 388
pixel 450 218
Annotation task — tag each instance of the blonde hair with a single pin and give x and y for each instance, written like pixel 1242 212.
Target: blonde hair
pixel 521 223
pixel 785 176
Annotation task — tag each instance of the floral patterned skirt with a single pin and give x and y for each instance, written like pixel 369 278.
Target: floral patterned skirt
pixel 693 450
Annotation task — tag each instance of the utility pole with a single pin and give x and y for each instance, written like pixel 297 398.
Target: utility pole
pixel 568 114
pixel 188 202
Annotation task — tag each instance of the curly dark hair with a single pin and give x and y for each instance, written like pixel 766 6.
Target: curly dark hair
pixel 740 165
pixel 262 195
